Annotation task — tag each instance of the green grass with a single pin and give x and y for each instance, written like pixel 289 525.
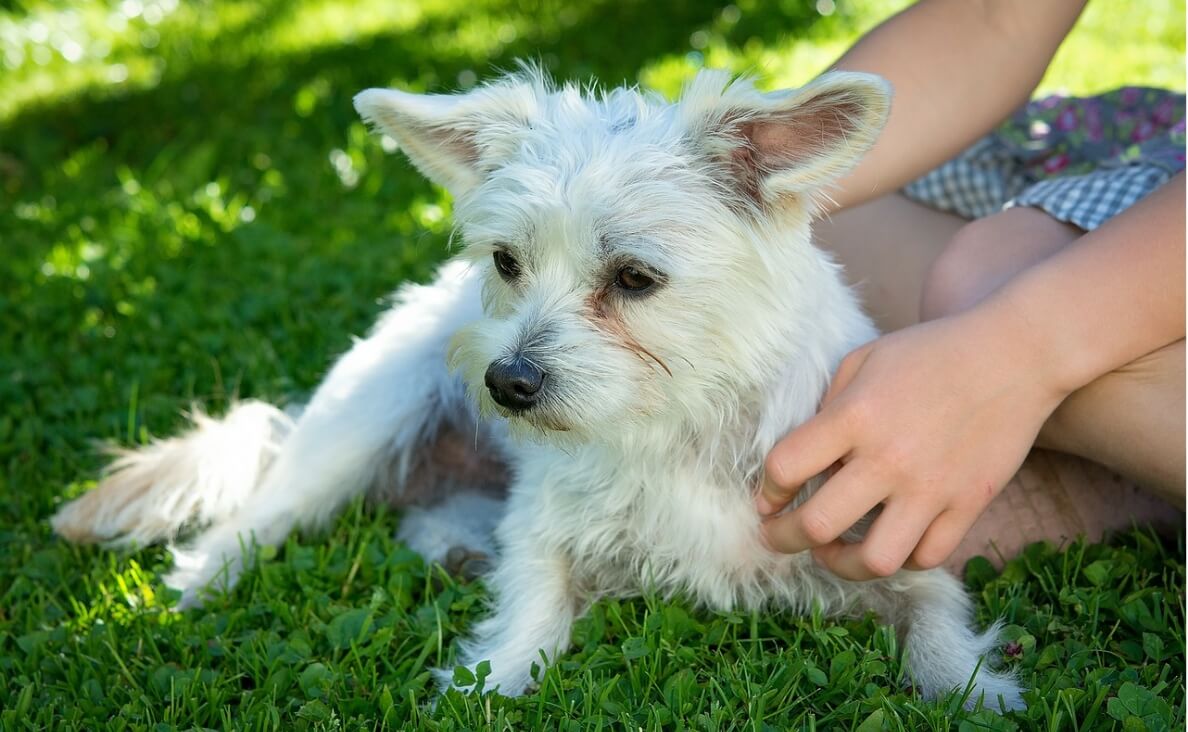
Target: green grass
pixel 189 211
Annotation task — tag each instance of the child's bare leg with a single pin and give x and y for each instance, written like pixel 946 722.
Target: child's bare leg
pixel 887 247
pixel 1130 420
pixel 984 254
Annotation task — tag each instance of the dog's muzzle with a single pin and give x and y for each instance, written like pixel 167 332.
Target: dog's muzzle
pixel 514 384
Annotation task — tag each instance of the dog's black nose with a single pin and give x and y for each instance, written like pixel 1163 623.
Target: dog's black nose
pixel 514 384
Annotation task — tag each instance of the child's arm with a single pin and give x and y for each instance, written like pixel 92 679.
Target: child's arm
pixel 958 68
pixel 932 421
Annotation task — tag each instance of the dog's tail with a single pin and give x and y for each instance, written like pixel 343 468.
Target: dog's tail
pixel 151 494
pixel 943 652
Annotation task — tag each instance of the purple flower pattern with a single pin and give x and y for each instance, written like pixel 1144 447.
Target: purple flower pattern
pixel 1059 135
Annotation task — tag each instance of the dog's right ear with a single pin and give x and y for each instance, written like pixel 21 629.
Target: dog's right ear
pixel 453 139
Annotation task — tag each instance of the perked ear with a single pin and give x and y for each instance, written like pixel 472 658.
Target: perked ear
pixel 791 142
pixel 454 139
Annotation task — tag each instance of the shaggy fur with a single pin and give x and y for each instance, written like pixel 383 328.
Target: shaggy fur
pixel 637 463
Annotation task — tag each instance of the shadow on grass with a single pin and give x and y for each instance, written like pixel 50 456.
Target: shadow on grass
pixel 227 85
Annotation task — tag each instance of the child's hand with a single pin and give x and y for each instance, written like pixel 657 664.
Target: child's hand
pixel 931 422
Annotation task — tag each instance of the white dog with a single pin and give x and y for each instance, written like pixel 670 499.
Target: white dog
pixel 638 315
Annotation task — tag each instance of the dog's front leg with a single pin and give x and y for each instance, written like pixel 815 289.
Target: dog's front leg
pixel 378 405
pixel 534 607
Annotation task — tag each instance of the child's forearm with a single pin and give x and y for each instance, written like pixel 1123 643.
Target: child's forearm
pixel 958 68
pixel 1117 295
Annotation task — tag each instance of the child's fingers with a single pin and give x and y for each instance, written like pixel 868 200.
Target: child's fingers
pixel 839 504
pixel 810 449
pixel 941 539
pixel 804 453
pixel 890 541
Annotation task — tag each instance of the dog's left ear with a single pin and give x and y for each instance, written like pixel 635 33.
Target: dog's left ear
pixel 454 139
pixel 790 142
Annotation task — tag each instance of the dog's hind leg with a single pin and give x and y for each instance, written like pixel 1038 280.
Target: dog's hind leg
pixel 379 404
pixel 453 498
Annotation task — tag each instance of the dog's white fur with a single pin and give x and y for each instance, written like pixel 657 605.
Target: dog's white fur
pixel 637 467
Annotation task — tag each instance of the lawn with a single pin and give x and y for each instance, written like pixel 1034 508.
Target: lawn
pixel 190 211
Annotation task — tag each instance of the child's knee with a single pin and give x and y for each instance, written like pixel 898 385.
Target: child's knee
pixel 958 278
pixel 985 253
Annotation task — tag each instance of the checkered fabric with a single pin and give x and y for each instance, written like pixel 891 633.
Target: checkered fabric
pixel 985 180
pixel 1090 200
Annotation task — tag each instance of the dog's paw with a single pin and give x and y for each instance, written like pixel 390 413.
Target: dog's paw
pixel 206 567
pixel 467 563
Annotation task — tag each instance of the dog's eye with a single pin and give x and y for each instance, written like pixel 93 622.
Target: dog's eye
pixel 631 279
pixel 507 265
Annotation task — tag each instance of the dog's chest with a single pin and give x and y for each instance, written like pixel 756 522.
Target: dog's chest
pixel 666 527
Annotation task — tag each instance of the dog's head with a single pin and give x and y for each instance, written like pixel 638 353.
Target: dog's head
pixel 640 255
